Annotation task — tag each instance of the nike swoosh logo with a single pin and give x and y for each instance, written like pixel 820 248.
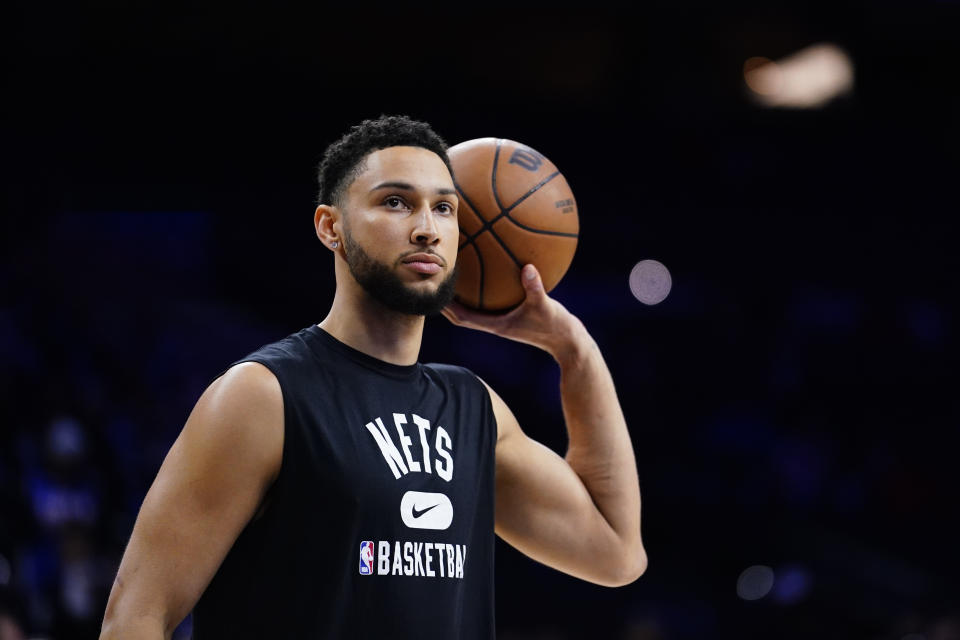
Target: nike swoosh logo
pixel 417 512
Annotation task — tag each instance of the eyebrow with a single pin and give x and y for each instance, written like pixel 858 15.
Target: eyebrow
pixel 404 186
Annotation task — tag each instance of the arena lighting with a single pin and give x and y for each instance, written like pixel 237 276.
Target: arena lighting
pixel 650 282
pixel 755 582
pixel 807 79
pixel 793 584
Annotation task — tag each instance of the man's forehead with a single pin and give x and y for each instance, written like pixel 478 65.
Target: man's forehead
pixel 416 166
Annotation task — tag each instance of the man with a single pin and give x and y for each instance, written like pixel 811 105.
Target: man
pixel 335 448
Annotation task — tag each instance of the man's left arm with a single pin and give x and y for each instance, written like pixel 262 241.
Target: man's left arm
pixel 579 514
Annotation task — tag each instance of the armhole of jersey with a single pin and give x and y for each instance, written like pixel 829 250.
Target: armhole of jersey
pixel 264 507
pixel 456 370
pixel 494 428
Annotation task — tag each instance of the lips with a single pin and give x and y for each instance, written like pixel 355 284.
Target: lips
pixel 424 257
pixel 424 262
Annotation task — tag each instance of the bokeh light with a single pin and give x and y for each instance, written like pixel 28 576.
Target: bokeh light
pixel 762 75
pixel 807 79
pixel 650 282
pixel 755 582
pixel 792 585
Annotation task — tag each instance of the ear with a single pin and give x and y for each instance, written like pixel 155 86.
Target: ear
pixel 326 220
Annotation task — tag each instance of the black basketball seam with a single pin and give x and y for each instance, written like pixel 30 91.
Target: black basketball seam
pixel 505 248
pixel 529 193
pixel 542 231
pixel 484 223
pixel 487 224
pixel 493 174
pixel 476 211
pixel 470 240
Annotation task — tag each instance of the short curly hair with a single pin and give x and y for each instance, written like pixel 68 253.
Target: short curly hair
pixel 343 160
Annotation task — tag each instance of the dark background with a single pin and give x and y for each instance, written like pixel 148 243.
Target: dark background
pixel 792 402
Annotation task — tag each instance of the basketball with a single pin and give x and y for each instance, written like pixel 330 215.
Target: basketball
pixel 515 208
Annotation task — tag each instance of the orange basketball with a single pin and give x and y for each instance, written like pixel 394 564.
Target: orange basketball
pixel 515 208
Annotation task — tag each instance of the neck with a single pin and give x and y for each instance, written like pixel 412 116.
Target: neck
pixel 361 322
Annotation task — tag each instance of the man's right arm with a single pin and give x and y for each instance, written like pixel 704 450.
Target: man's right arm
pixel 210 485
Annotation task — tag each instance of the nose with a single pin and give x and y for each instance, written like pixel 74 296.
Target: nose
pixel 425 227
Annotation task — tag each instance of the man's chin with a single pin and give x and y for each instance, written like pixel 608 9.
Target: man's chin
pixel 402 289
pixel 425 286
pixel 424 283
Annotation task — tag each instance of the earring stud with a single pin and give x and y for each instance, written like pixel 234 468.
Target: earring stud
pixel 334 244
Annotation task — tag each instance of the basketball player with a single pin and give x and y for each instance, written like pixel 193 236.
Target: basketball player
pixel 331 486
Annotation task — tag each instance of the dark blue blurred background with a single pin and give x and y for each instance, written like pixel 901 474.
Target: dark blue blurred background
pixel 792 402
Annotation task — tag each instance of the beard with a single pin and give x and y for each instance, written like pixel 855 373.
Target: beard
pixel 386 287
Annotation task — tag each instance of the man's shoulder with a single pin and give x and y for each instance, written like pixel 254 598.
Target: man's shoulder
pixel 277 356
pixel 294 346
pixel 449 369
pixel 454 373
pixel 248 381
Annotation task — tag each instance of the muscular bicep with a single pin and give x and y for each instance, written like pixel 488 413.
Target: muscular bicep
pixel 206 491
pixel 543 508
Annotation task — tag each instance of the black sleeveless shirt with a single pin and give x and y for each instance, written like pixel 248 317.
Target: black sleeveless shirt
pixel 380 522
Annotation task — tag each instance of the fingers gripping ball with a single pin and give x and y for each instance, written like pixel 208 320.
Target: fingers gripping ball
pixel 515 208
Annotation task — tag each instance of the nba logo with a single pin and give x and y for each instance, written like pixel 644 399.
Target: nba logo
pixel 366 558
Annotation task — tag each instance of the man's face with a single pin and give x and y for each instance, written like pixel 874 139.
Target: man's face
pixel 400 230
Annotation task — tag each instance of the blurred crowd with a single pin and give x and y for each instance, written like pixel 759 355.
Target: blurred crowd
pixel 98 376
pixel 83 435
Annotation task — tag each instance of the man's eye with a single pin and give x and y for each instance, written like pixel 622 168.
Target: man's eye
pixel 393 202
pixel 445 207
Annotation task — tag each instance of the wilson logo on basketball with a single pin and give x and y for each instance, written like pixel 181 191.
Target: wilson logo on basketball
pixel 526 158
